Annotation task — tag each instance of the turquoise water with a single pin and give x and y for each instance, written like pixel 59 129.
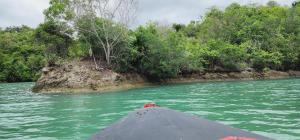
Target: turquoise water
pixel 270 108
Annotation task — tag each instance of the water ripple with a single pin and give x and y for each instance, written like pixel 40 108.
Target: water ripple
pixel 269 108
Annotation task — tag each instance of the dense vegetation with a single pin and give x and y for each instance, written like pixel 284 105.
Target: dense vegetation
pixel 21 58
pixel 239 37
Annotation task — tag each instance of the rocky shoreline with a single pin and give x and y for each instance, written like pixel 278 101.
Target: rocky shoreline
pixel 81 76
pixel 232 76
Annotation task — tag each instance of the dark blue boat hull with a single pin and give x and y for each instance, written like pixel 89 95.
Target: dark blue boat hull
pixel 166 124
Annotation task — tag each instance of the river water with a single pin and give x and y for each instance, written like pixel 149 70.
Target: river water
pixel 267 107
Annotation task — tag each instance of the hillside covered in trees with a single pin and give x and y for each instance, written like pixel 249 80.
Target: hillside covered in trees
pixel 240 37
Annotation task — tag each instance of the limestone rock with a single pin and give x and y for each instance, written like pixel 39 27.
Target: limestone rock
pixel 82 76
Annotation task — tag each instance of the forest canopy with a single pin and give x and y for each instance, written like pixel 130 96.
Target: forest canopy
pixel 236 38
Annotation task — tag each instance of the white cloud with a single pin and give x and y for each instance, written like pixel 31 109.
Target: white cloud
pixel 30 12
pixel 22 12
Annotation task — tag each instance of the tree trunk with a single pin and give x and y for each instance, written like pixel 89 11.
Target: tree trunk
pixel 107 56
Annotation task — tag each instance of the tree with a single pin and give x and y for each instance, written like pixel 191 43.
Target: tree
pixel 295 3
pixel 56 33
pixel 2 67
pixel 108 21
pixel 178 27
pixel 21 57
pixel 272 3
pixel 56 38
pixel 86 33
pixel 158 53
pixel 262 59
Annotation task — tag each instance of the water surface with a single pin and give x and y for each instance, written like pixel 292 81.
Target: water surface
pixel 270 108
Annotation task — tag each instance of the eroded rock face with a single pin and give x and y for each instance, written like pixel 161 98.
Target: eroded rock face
pixel 81 75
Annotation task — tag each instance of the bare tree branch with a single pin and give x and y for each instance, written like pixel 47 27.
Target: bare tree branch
pixel 104 16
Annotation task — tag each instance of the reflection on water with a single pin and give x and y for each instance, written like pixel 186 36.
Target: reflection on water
pixel 270 108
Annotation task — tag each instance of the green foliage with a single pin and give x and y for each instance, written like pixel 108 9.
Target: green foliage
pixel 262 59
pixel 58 11
pixel 240 36
pixel 104 37
pixel 233 57
pixel 155 52
pixel 271 30
pixel 21 58
pixel 192 56
pixel 78 49
pixel 55 37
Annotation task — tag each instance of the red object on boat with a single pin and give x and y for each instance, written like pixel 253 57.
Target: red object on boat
pixel 237 138
pixel 150 105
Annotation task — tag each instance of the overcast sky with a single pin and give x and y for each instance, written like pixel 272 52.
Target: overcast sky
pixel 30 12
